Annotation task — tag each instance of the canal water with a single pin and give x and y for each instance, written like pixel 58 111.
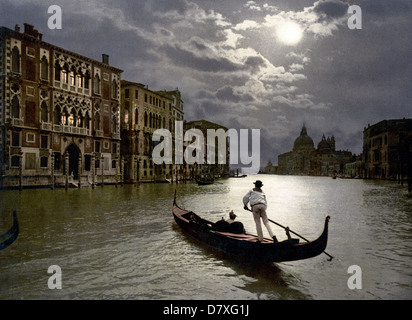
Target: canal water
pixel 122 242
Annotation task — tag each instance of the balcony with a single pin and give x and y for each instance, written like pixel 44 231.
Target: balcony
pixel 116 135
pixel 15 151
pixel 46 126
pixel 99 133
pixel 71 130
pixel 16 122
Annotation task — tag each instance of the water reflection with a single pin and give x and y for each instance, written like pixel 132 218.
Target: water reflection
pixel 122 243
pixel 264 279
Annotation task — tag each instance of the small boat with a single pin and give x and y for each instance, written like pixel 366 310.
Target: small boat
pixel 233 175
pixel 244 245
pixel 205 181
pixel 10 236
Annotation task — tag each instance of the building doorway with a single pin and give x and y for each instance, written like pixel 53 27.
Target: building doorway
pixel 74 153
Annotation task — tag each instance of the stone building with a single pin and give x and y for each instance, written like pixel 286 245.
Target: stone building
pixel 143 111
pixel 59 114
pixel 387 149
pixel 270 168
pixel 305 159
pixel 355 167
pixel 326 160
pixel 213 167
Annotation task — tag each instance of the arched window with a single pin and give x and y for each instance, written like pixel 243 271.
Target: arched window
pixel 136 116
pixel 97 84
pixel 114 89
pixel 126 116
pixel 72 76
pixel 57 116
pixel 97 121
pixel 73 117
pixel 15 108
pixel 80 120
pixel 65 74
pixel 87 80
pixel 44 69
pixel 145 119
pixel 137 145
pixel 80 79
pixel 15 60
pixel 57 71
pixel 65 117
pixel 114 124
pixel 44 112
pixel 87 120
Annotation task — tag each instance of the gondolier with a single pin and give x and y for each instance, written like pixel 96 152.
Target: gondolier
pixel 257 199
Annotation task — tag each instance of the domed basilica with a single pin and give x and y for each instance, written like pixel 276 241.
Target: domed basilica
pixel 305 159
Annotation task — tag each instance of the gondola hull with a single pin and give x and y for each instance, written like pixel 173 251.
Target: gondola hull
pixel 245 245
pixel 11 235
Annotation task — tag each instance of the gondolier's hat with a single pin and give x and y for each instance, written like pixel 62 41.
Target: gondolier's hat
pixel 258 183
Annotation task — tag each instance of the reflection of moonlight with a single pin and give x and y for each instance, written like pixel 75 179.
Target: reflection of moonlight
pixel 290 33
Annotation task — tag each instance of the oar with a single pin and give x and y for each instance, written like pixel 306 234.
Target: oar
pixel 288 230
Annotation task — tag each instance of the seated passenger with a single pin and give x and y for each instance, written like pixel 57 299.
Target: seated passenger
pixel 229 225
pixel 232 217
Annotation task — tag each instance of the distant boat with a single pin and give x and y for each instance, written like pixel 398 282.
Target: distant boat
pixel 244 245
pixel 237 175
pixel 10 236
pixel 205 181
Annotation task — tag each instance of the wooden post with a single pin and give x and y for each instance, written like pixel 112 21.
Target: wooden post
pixel 52 171
pixel 21 171
pixel 66 166
pixel 80 170
pixel 93 167
pixel 102 167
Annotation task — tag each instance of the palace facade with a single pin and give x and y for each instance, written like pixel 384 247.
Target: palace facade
pixel 219 150
pixel 387 149
pixel 59 114
pixel 142 112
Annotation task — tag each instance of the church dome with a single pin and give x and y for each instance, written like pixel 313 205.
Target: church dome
pixel 303 142
pixel 323 144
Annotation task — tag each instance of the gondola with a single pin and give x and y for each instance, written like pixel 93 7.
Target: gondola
pixel 10 236
pixel 244 245
pixel 204 181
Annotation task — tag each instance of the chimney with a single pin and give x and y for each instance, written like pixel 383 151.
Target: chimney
pixel 105 58
pixel 28 28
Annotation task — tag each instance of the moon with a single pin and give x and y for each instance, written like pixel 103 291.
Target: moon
pixel 289 33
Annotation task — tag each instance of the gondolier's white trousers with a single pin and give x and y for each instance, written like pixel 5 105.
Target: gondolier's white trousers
pixel 259 211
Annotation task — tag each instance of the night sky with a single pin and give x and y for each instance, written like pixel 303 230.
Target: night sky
pixel 268 65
